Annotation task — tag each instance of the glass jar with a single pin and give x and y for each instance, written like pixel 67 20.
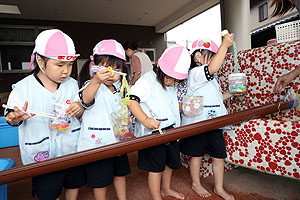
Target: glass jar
pixel 237 82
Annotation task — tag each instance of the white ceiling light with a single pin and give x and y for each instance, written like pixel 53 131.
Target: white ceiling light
pixel 9 9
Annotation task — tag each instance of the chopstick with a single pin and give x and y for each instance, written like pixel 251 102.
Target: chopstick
pixel 96 68
pixel 32 112
pixel 159 129
pixel 120 73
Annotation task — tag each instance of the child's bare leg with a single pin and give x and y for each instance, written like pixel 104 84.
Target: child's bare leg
pixel 166 189
pixel 71 194
pixel 195 164
pixel 218 170
pixel 154 185
pixel 120 187
pixel 100 193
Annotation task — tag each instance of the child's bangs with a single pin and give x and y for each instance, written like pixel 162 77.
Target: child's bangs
pixel 114 62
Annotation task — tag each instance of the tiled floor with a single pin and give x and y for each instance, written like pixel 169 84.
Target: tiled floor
pixel 242 183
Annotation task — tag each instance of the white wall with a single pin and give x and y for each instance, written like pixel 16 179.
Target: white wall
pixel 235 16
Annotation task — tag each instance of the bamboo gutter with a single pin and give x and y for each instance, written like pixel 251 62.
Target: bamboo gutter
pixel 83 157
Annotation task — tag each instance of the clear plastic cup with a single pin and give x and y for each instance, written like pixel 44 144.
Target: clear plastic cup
pixel 61 121
pixel 237 82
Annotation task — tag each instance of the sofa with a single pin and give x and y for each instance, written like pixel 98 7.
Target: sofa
pixel 271 143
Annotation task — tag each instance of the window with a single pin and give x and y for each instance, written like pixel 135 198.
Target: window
pixel 150 53
pixel 16 46
pixel 14 57
pixel 263 12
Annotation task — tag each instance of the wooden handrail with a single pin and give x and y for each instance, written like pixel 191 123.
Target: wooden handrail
pixel 83 157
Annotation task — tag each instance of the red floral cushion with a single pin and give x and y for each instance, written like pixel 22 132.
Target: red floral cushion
pixel 272 143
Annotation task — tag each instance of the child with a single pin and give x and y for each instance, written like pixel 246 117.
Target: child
pixel 206 60
pixel 101 98
pixel 155 94
pixel 50 83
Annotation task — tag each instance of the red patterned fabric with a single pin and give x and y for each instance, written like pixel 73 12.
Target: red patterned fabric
pixel 270 144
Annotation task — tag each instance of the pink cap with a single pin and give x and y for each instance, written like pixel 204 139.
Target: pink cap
pixel 54 44
pixel 110 47
pixel 204 44
pixel 175 62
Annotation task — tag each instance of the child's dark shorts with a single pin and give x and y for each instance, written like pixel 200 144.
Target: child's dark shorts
pixel 155 158
pixel 211 142
pixel 101 173
pixel 49 186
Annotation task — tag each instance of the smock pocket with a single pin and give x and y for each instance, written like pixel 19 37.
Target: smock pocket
pixel 68 141
pixel 37 150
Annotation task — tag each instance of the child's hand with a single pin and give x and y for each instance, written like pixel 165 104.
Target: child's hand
pixel 75 109
pixel 151 123
pixel 180 105
pixel 238 94
pixel 18 115
pixel 228 40
pixel 228 95
pixel 206 59
pixel 102 75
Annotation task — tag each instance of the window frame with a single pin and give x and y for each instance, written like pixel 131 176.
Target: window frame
pixel 36 31
pixel 263 12
pixel 149 49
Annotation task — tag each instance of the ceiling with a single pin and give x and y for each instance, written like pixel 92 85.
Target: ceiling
pixel 163 14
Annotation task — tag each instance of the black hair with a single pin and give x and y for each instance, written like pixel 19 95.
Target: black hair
pixel 36 68
pixel 110 60
pixel 160 76
pixel 193 63
pixel 209 54
pixel 130 45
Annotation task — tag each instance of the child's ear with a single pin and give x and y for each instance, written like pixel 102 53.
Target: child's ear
pixel 40 61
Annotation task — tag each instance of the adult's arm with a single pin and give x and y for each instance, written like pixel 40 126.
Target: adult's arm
pixel 284 80
pixel 136 68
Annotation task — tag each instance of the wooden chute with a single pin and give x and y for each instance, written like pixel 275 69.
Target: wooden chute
pixel 76 159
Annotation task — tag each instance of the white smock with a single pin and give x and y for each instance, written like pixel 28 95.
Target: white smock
pixel 97 126
pixel 37 140
pixel 162 102
pixel 200 83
